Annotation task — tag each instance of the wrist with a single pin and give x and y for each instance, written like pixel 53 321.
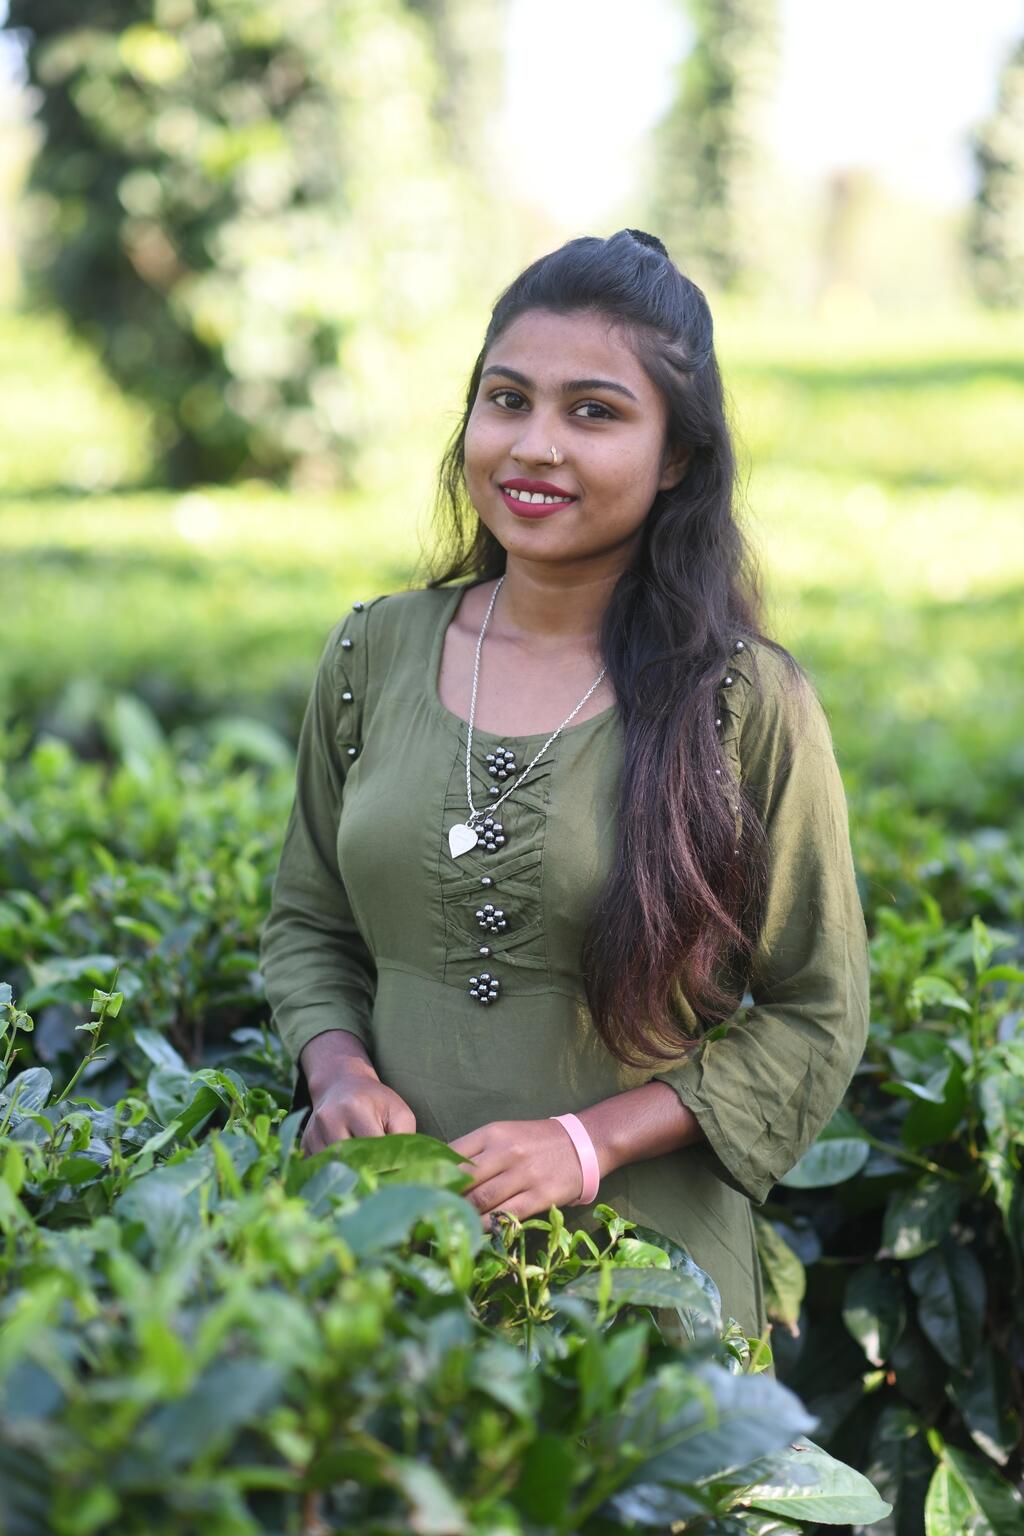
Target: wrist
pixel 601 1128
pixel 586 1154
pixel 332 1054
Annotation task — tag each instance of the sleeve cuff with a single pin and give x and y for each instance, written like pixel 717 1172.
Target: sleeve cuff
pixel 734 1168
pixel 297 1032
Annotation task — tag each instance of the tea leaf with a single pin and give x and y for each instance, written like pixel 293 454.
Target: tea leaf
pixel 874 1309
pixel 840 1495
pixel 840 1151
pixel 984 1396
pixel 783 1273
pixel 950 1288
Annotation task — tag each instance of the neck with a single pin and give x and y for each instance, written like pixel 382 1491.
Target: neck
pixel 545 610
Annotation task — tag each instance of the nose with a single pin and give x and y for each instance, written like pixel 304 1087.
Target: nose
pixel 535 442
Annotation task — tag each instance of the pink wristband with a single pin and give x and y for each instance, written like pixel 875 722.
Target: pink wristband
pixel 588 1157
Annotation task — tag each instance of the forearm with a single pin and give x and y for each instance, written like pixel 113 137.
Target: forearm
pixel 643 1122
pixel 328 1054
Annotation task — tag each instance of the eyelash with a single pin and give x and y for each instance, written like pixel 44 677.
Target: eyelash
pixel 609 415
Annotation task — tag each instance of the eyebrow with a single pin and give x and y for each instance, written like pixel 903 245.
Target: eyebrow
pixel 569 387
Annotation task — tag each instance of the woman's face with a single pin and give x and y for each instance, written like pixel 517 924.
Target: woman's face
pixel 567 380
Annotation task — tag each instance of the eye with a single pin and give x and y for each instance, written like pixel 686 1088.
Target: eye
pixel 586 405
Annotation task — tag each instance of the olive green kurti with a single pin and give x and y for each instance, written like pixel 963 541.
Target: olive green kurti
pixel 372 928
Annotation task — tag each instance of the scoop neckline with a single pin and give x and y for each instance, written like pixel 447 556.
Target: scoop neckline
pixel 454 597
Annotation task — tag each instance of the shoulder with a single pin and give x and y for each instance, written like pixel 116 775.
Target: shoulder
pixel 776 708
pixel 387 621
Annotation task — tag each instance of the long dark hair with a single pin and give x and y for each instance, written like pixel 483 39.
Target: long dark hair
pixel 669 941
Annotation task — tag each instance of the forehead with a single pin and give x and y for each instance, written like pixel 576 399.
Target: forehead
pixel 550 347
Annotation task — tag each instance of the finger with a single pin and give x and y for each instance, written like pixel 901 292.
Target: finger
pixel 361 1122
pixel 400 1120
pixel 485 1166
pixel 492 1219
pixel 322 1131
pixel 499 1192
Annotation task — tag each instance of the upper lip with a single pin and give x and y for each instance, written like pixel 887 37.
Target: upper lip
pixel 544 486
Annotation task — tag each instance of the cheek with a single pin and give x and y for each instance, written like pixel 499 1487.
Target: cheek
pixel 624 472
pixel 482 434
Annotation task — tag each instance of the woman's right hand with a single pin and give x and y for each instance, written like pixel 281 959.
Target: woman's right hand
pixel 348 1097
pixel 355 1105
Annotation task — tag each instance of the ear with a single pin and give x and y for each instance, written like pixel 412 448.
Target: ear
pixel 675 469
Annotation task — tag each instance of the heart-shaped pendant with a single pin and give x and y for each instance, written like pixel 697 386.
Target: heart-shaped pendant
pixel 461 839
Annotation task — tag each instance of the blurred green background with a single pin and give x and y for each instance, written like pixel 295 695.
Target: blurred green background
pixel 250 254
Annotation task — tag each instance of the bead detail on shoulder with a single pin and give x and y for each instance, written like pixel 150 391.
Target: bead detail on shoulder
pixel 732 694
pixel 349 672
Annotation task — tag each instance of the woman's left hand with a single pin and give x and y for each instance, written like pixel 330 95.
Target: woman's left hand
pixel 520 1166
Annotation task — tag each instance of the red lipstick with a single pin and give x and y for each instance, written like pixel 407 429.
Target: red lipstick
pixel 541 487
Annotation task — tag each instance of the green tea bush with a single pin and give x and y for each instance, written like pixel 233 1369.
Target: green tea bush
pixel 198 1327
pixel 212 1332
pixel 895 1247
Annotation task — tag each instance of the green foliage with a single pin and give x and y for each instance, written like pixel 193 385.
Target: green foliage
pixel 210 1329
pixel 921 1254
pixel 202 212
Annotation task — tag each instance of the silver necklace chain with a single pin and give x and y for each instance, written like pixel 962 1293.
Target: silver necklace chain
pixel 474 814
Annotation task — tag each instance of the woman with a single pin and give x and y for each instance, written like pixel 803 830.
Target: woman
pixel 550 823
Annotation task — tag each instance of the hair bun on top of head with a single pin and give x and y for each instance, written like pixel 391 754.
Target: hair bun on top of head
pixel 645 239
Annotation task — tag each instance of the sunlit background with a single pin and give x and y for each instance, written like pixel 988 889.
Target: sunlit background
pixel 893 89
pixel 245 270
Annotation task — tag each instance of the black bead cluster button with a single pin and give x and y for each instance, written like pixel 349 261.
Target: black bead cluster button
pixel 491 836
pixel 501 762
pixel 491 917
pixel 484 987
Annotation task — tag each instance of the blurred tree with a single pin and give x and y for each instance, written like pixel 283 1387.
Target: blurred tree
pixel 467 45
pixel 712 171
pixel 995 229
pixel 228 193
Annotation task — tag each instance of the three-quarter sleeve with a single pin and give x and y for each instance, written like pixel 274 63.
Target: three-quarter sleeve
pixel 317 969
pixel 764 1089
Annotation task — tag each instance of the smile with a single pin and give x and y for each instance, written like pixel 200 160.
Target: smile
pixel 532 504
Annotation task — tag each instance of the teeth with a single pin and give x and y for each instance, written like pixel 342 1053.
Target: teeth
pixel 535 496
